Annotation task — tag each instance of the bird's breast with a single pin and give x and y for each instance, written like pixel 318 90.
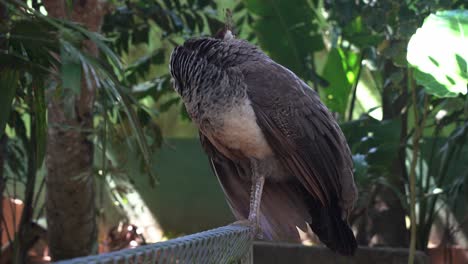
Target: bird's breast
pixel 234 131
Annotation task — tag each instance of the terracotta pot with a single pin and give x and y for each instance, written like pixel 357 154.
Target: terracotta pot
pixel 448 255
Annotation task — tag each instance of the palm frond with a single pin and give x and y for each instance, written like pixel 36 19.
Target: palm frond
pixel 107 74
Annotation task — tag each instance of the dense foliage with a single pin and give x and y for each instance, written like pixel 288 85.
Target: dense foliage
pixel 399 93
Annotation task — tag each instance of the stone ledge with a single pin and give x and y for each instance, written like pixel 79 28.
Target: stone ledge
pixel 279 253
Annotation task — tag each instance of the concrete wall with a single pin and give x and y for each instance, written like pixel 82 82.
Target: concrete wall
pixel 189 198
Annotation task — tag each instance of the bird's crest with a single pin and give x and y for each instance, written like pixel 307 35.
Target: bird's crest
pixel 227 32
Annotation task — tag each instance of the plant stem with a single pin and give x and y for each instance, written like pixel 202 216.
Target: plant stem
pixel 356 82
pixel 418 128
pixel 23 235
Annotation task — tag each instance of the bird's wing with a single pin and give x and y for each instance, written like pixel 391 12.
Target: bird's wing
pixel 282 207
pixel 302 132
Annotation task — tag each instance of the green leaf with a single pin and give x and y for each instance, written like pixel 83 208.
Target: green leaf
pixel 377 140
pixel 166 105
pixel 286 31
pixel 359 35
pixel 340 76
pixel 8 83
pixel 438 52
pixel 40 110
pixel 106 73
pixel 361 166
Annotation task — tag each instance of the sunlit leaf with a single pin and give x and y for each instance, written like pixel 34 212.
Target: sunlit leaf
pixel 336 95
pixel 438 51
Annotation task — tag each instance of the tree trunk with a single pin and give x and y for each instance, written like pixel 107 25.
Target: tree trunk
pixel 70 201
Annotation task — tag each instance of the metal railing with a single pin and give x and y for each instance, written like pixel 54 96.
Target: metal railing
pixel 228 244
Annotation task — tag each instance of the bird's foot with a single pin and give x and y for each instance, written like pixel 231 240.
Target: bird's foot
pixel 253 225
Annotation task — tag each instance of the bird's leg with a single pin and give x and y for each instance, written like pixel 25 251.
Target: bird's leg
pixel 256 196
pixel 256 190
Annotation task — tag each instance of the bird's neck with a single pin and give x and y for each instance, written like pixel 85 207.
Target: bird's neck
pixel 206 100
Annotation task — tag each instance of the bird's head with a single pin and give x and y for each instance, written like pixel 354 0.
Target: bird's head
pixel 226 33
pixel 199 61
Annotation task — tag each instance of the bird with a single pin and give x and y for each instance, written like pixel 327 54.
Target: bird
pixel 278 153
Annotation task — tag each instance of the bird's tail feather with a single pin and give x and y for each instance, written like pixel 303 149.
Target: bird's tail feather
pixel 282 211
pixel 332 230
pixel 285 206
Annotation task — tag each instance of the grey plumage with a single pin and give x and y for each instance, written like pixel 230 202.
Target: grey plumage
pixel 259 123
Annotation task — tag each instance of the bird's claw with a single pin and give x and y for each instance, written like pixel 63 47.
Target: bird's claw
pixel 254 227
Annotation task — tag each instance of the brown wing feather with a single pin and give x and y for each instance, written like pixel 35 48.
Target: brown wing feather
pixel 302 132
